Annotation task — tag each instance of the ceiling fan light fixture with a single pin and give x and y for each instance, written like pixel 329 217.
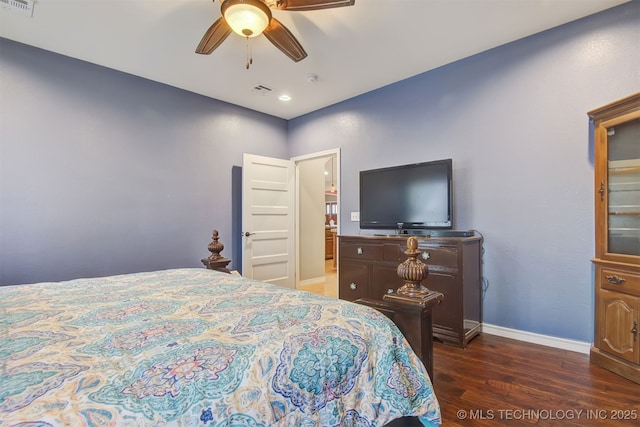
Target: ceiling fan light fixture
pixel 247 18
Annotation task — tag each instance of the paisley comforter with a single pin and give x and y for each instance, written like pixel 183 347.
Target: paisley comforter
pixel 195 347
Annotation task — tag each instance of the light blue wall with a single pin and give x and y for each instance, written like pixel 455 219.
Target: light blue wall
pixel 104 173
pixel 514 121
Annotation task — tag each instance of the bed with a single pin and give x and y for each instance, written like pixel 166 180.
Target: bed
pixel 198 347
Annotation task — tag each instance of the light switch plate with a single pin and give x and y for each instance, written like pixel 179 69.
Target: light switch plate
pixel 355 216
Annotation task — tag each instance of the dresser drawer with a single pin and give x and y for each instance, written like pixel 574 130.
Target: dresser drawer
pixel 354 280
pixel 445 256
pixel 620 281
pixel 394 253
pixel 361 251
pixel 384 280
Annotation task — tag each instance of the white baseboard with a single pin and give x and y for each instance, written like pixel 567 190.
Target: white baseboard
pixel 549 341
pixel 311 281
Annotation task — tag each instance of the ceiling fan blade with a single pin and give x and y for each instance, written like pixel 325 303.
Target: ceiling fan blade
pixel 282 38
pixel 214 36
pixel 312 4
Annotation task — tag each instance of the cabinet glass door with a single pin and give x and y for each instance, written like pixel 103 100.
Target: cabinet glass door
pixel 623 187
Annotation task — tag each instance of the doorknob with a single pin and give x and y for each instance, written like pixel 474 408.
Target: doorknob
pixel 247 234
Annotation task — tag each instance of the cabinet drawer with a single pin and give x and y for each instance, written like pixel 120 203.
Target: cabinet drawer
pixel 620 281
pixel 361 251
pixel 384 280
pixel 393 252
pixel 445 256
pixel 354 280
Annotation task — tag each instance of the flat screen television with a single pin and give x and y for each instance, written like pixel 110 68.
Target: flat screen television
pixel 408 197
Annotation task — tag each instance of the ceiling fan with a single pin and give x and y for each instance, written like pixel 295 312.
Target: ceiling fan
pixel 250 18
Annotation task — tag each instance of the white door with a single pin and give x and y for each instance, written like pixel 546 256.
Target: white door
pixel 268 219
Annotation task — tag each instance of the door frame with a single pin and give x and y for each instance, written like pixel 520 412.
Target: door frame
pixel 298 159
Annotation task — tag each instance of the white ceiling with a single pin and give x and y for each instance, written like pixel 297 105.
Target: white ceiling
pixel 352 50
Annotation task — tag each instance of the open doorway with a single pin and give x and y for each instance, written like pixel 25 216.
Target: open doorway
pixel 317 221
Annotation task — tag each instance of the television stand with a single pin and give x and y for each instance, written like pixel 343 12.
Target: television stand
pixel 368 268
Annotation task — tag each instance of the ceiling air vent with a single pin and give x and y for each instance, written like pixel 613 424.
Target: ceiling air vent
pixel 23 7
pixel 261 89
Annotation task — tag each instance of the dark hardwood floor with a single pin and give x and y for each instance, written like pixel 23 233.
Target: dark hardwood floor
pixel 499 381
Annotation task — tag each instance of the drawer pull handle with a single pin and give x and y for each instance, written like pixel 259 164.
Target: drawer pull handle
pixel 616 280
pixel 634 331
pixel 359 251
pixel 389 291
pixel 353 286
pixel 426 255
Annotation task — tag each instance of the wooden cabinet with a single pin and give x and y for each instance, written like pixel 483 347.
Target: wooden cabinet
pixel 367 268
pixel 329 243
pixel 616 344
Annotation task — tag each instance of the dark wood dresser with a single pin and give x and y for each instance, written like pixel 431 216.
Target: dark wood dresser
pixel 368 265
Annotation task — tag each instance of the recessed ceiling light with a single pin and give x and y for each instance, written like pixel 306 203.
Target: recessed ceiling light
pixel 284 98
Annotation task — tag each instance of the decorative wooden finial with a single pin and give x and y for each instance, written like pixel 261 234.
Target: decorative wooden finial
pixel 215 261
pixel 215 247
pixel 413 271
